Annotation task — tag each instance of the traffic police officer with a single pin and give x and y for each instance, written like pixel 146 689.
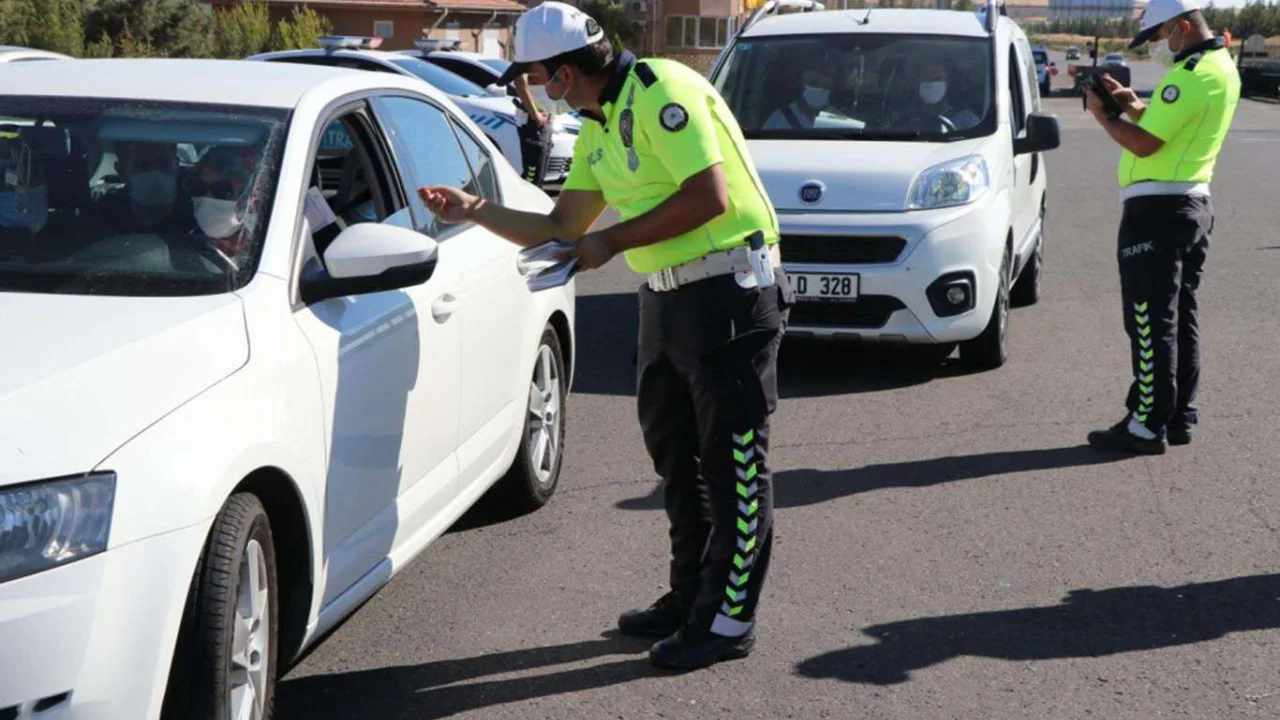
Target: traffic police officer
pixel 1170 148
pixel 664 150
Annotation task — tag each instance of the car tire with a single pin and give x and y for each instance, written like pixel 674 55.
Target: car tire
pixel 226 656
pixel 1026 291
pixel 535 473
pixel 987 351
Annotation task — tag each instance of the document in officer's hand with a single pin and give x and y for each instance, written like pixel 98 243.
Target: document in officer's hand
pixel 541 268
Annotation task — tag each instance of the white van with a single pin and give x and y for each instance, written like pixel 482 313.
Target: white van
pixel 902 150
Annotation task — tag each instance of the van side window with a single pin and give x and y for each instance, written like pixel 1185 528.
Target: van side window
pixel 1017 103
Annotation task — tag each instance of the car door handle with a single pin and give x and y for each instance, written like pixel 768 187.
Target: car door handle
pixel 443 307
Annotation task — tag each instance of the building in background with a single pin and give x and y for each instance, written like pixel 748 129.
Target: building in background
pixel 482 26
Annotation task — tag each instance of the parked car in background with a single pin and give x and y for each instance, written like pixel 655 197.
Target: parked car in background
pixel 485 71
pixel 257 376
pixel 1073 53
pixel 1045 70
pixel 907 217
pixel 495 112
pixel 1114 60
pixel 11 53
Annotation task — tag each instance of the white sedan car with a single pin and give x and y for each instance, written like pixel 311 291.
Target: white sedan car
pixel 249 376
pixel 13 54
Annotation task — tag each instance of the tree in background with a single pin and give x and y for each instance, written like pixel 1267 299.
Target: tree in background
pixel 54 25
pixel 613 19
pixel 147 28
pixel 241 30
pixel 300 30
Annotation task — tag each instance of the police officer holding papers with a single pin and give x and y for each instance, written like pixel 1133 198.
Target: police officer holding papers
pixel 664 150
pixel 1170 147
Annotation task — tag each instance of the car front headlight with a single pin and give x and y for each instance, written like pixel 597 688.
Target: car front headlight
pixel 957 182
pixel 47 524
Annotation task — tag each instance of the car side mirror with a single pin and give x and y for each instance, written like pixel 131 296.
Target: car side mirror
pixel 368 258
pixel 1042 135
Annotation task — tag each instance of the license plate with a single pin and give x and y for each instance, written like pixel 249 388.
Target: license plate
pixel 828 287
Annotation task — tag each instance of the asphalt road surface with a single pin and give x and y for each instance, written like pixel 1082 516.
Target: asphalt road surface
pixel 945 548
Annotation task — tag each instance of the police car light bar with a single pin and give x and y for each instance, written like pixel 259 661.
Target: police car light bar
pixel 348 42
pixel 430 44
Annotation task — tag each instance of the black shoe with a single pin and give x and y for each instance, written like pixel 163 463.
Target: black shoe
pixel 1179 436
pixel 694 650
pixel 659 620
pixel 1119 439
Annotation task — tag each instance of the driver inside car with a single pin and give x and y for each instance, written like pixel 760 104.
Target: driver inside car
pixel 930 104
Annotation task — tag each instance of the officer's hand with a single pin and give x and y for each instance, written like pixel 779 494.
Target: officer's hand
pixel 448 203
pixel 592 251
pixel 538 119
pixel 1127 98
pixel 1094 103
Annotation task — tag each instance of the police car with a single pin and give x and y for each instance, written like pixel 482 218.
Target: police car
pixel 13 54
pixel 485 71
pixel 902 151
pixel 492 110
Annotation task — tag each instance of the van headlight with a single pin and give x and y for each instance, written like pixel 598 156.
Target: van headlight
pixel 47 524
pixel 957 182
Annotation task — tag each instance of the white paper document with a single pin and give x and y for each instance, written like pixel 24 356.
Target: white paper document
pixel 541 269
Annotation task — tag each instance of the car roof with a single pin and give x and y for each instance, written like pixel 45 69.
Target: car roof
pixel 31 52
pixel 223 82
pixel 882 21
pixel 381 56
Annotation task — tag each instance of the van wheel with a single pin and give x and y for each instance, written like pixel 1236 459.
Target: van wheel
pixel 1026 291
pixel 226 656
pixel 987 350
pixel 534 475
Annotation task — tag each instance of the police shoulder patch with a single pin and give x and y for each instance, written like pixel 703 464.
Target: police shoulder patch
pixel 1170 93
pixel 674 117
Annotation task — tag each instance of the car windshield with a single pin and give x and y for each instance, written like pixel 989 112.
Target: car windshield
pixel 120 197
pixel 1042 57
pixel 861 87
pixel 443 80
pixel 497 64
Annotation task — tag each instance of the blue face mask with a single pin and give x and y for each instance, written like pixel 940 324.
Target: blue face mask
pixel 28 209
pixel 153 189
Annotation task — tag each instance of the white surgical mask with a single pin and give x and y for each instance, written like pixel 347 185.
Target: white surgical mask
pixel 153 189
pixel 933 92
pixel 562 95
pixel 216 218
pixel 816 97
pixel 1162 53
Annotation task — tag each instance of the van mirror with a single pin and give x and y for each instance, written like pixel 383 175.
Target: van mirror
pixel 1042 135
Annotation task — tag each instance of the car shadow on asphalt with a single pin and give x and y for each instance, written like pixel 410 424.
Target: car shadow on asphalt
pixel 608 326
pixel 1085 624
pixel 444 688
pixel 800 488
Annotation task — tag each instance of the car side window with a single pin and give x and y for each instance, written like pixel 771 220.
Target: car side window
pixel 481 165
pixel 465 70
pixel 1032 78
pixel 431 154
pixel 355 177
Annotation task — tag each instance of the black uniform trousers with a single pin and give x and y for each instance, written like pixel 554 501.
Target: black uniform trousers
pixel 1163 242
pixel 707 385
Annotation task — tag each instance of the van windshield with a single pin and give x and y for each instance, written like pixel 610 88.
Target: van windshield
pixel 907 88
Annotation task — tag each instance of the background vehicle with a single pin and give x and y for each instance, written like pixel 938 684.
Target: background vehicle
pixel 494 112
pixel 1046 69
pixel 1114 60
pixel 1080 73
pixel 903 222
pixel 1073 53
pixel 229 443
pixel 485 71
pixel 10 53
pixel 1259 73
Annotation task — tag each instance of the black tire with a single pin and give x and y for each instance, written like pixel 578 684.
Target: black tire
pixel 1026 291
pixel 524 487
pixel 987 351
pixel 201 681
